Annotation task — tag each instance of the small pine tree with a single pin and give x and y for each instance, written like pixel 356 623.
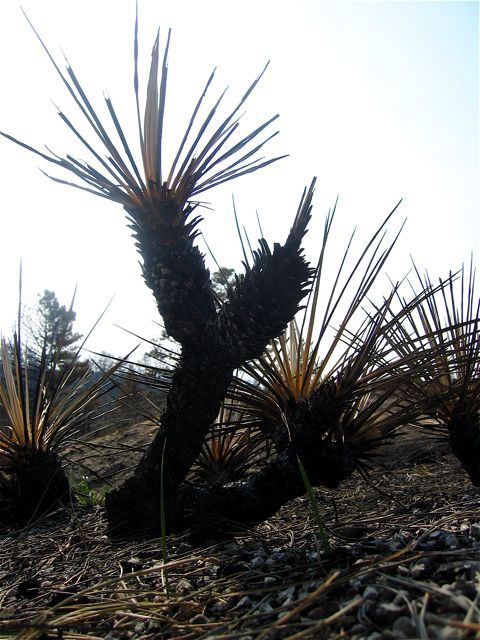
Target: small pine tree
pixel 49 327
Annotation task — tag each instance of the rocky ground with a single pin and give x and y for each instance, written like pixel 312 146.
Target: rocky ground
pixel 404 563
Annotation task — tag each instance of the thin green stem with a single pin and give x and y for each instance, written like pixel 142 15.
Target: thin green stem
pixel 313 503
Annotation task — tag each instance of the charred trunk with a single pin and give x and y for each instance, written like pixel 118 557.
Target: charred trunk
pixel 214 344
pixel 215 510
pixel 198 388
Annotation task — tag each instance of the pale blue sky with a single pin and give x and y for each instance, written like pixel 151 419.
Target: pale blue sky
pixel 378 99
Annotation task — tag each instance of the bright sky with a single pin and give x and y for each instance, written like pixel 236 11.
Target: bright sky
pixel 378 99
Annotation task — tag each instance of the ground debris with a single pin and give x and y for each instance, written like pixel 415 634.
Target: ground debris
pixel 404 564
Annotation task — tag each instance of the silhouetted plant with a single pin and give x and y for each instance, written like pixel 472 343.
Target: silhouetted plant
pixel 44 410
pixel 440 337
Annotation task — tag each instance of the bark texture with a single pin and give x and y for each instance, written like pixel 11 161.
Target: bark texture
pixel 174 269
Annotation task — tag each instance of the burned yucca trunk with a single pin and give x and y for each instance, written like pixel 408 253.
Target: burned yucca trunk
pixel 254 313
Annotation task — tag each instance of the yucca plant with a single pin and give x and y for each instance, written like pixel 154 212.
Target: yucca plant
pixel 322 387
pixel 44 407
pixel 162 210
pixel 446 325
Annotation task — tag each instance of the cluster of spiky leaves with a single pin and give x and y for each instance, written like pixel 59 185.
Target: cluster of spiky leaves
pixel 335 398
pixel 195 168
pixel 323 394
pixel 446 326
pixel 232 448
pixel 45 406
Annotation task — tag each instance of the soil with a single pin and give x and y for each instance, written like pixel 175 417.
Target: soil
pixel 404 563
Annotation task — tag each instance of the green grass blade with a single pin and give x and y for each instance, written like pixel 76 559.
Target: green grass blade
pixel 313 503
